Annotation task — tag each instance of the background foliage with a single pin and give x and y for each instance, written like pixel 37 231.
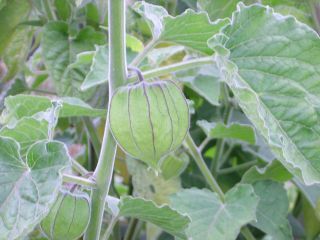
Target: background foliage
pixel 255 116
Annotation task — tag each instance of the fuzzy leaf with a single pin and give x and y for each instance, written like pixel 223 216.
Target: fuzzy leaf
pixel 28 187
pixel 210 218
pixel 60 51
pixel 273 171
pixel 11 14
pixel 205 81
pixel 162 216
pixel 190 29
pixel 234 131
pixel 271 67
pixel 98 73
pixel 26 131
pixel 220 8
pixel 272 210
pixel 20 106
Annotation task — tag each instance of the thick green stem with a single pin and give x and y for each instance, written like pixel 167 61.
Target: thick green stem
pixel 173 68
pixel 117 77
pixel 196 154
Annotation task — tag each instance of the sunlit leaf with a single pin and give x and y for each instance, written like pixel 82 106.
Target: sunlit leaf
pixel 234 131
pixel 271 67
pixel 28 186
pixel 98 73
pixel 273 171
pixel 190 29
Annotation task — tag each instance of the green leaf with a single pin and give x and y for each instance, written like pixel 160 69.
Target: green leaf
pixel 11 14
pixel 273 171
pixel 134 43
pixel 21 105
pixel 220 8
pixel 28 187
pixel 157 56
pixel 210 218
pixel 272 210
pixel 271 67
pixel 162 216
pixel 149 184
pixel 174 164
pixel 311 220
pixel 60 50
pixel 16 50
pixel 300 9
pixel 205 81
pixel 234 131
pixel 98 73
pixel 196 30
pixel 312 194
pixel 26 131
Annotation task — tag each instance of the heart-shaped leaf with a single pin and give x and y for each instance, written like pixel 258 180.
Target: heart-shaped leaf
pixel 28 186
pixel 212 219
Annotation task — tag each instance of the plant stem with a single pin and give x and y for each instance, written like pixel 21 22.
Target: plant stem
pixel 92 134
pixel 204 143
pixel 315 10
pixel 139 58
pixel 173 68
pixel 237 168
pixel 131 229
pixel 214 167
pixel 117 77
pixel 48 9
pixel 196 154
pixel 78 180
pixel 79 168
pixel 247 234
pixel 109 230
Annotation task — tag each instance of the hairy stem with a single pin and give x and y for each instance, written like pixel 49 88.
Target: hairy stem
pixel 173 68
pixel 117 77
